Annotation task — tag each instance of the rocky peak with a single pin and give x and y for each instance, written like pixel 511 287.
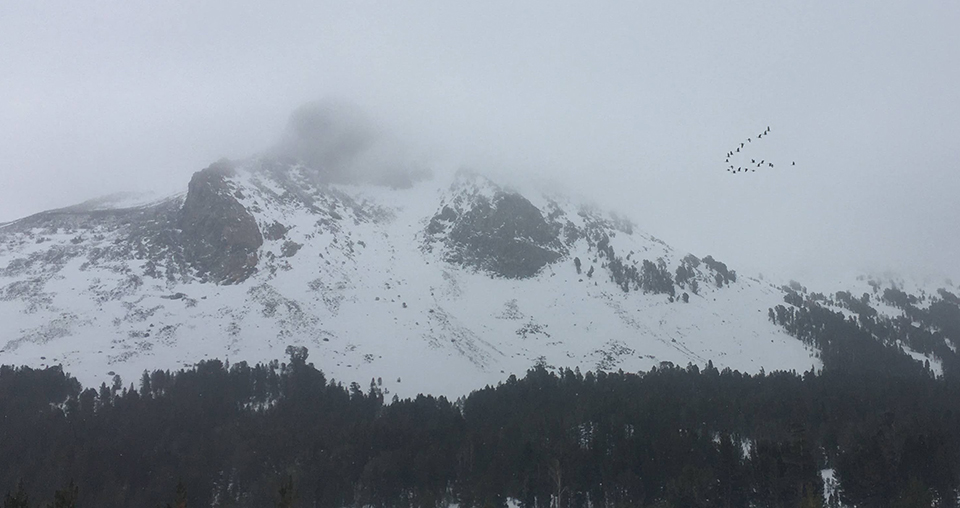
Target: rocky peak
pixel 220 237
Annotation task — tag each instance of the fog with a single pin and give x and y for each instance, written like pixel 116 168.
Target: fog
pixel 344 145
pixel 631 105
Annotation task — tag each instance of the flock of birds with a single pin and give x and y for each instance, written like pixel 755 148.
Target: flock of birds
pixel 754 164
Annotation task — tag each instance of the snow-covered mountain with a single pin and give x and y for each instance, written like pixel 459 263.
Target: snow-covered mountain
pixel 442 286
pixel 334 241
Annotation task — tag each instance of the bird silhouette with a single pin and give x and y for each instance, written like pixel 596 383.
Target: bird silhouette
pixel 738 150
pixel 748 140
pixel 741 145
pixel 770 164
pixel 794 163
pixel 752 160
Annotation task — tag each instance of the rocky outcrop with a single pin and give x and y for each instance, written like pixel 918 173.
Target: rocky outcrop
pixel 505 235
pixel 220 237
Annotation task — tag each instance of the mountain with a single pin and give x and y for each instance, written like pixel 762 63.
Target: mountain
pixel 438 285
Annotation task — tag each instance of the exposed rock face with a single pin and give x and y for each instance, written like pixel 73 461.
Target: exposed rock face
pixel 505 235
pixel 220 237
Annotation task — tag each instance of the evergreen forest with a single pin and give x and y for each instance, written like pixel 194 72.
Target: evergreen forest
pixel 282 434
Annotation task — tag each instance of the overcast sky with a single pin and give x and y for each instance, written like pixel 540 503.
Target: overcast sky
pixel 633 104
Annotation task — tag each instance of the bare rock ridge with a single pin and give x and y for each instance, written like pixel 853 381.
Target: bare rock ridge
pixel 220 237
pixel 506 235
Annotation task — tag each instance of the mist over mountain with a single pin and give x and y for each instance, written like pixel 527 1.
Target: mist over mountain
pixel 338 140
pixel 333 241
pixel 511 254
pixel 514 341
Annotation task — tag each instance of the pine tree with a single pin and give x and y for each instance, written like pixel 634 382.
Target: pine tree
pixel 66 497
pixel 145 389
pixel 287 497
pixel 180 501
pixel 17 500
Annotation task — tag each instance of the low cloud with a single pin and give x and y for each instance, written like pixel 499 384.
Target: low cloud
pixel 340 141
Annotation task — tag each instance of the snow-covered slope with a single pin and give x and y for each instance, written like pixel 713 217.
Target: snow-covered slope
pixel 920 317
pixel 441 287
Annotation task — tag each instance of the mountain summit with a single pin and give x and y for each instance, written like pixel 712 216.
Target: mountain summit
pixel 437 285
pixel 442 286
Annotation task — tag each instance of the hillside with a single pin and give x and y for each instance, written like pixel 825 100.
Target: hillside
pixel 442 286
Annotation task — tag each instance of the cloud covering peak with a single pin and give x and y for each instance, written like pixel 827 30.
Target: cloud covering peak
pixel 339 140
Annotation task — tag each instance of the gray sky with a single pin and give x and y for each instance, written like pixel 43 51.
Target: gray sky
pixel 633 104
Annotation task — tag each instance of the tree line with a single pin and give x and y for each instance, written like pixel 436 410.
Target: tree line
pixel 864 339
pixel 282 434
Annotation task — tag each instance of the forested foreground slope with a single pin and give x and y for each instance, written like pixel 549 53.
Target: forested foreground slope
pixel 282 434
pixel 877 425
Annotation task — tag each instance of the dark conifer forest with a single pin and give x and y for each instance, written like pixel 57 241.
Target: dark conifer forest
pixel 266 435
pixel 282 434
